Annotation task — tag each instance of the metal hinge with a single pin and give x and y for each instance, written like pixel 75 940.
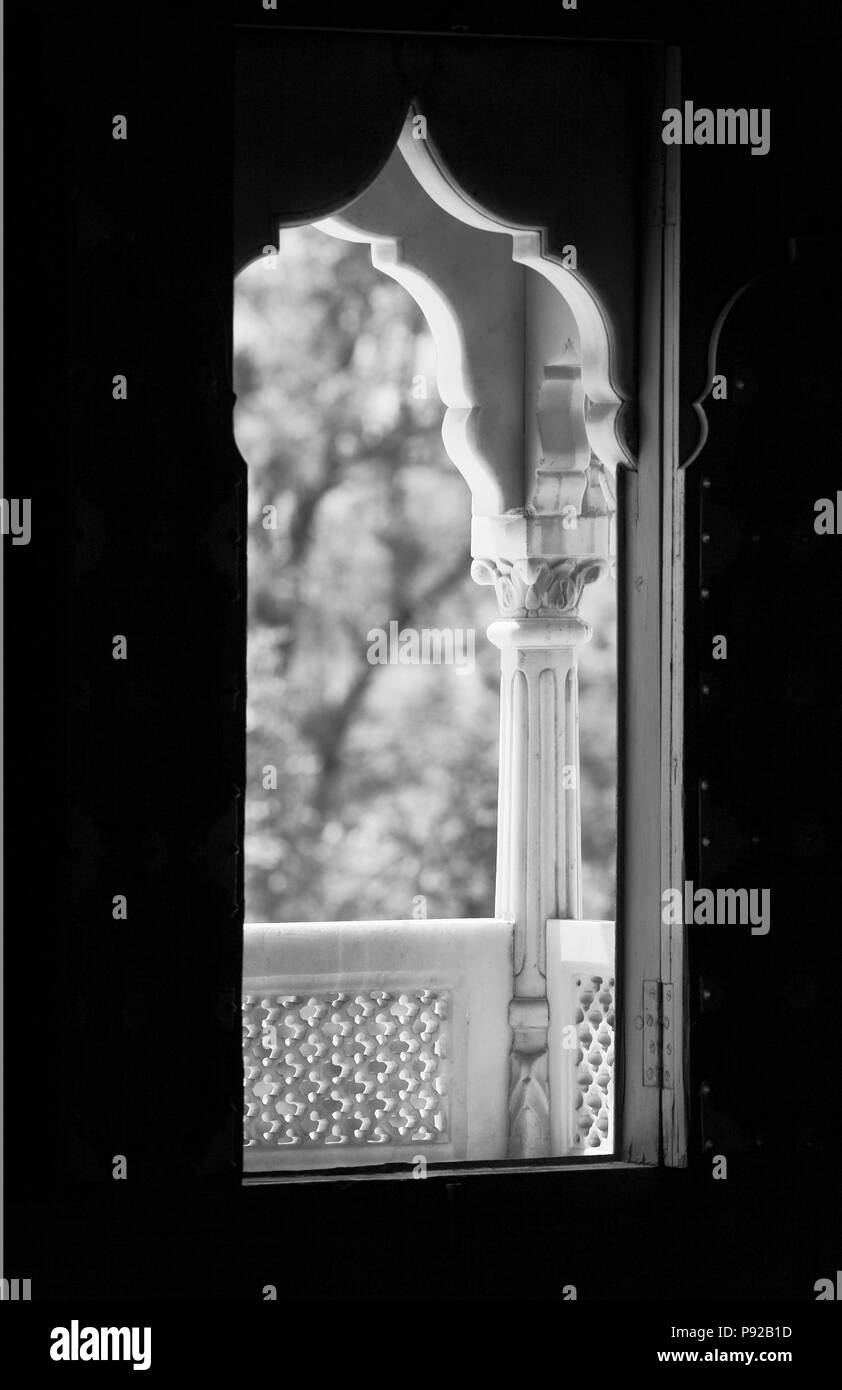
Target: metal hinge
pixel 658 1033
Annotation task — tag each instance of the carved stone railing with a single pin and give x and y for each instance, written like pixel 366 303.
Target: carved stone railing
pixel 581 992
pixel 374 1042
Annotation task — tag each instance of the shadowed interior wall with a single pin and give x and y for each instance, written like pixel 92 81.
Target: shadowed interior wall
pixel 127 777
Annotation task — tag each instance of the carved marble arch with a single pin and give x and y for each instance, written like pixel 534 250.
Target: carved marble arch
pixel 526 371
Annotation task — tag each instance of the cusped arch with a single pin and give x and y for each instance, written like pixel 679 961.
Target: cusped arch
pixel 524 348
pixel 698 405
pixel 598 348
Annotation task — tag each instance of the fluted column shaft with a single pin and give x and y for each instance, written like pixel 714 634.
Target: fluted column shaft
pixel 539 855
pixel 539 859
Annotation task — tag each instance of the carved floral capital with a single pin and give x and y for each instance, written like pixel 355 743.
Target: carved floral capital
pixel 539 587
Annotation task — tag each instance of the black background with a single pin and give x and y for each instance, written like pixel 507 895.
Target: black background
pixel 128 777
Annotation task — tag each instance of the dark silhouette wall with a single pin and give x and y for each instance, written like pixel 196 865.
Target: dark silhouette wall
pixel 127 777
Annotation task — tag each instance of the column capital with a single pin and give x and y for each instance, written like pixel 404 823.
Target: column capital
pixel 540 587
pixel 540 563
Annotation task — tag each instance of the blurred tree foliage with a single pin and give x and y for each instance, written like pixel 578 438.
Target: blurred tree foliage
pixel 386 776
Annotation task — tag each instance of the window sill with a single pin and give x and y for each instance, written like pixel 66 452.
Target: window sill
pixel 450 1172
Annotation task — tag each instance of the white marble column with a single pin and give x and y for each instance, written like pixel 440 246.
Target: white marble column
pixel 539 857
